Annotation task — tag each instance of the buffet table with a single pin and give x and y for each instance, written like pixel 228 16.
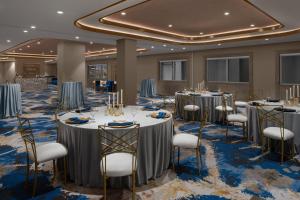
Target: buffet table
pixel 83 144
pixel 71 95
pixel 206 101
pixel 291 122
pixel 148 88
pixel 10 100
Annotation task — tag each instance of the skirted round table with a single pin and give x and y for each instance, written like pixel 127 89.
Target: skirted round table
pixel 206 101
pixel 10 100
pixel 148 88
pixel 71 95
pixel 83 144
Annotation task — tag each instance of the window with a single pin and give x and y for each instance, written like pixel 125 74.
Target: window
pixel 173 70
pixel 97 72
pixel 290 68
pixel 228 69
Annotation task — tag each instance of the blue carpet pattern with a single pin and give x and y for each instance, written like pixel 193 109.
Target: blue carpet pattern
pixel 229 170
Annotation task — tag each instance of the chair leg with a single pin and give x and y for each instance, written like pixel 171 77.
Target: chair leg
pixel 133 185
pixel 178 155
pixel 65 170
pixel 268 144
pixel 282 150
pixel 293 148
pixel 173 157
pixel 35 179
pixel 198 161
pixel 244 135
pixel 104 185
pixel 27 171
pixel 54 171
pixel 227 124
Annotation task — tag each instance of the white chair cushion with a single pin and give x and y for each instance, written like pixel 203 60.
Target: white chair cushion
pixel 50 151
pixel 274 133
pixel 185 140
pixel 221 108
pixel 191 107
pixel 237 118
pixel 240 103
pixel 117 164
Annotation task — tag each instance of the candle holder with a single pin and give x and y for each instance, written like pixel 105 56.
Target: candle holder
pixel 296 101
pixel 117 110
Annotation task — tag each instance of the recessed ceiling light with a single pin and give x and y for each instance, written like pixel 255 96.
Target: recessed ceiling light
pixel 170 25
pixel 20 49
pixel 8 41
pixel 183 48
pixel 123 13
pixel 172 49
pixel 25 31
pixel 51 51
pixel 226 13
pixel 60 12
pixel 164 45
pixel 28 46
pixel 152 47
pixel 252 25
pixel 91 42
pixel 38 42
pixel 77 37
pixel 201 33
pixel 33 27
pixel 103 48
pixel 267 39
pixel 219 44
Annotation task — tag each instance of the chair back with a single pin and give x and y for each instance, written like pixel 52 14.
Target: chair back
pixel 203 123
pixel 271 114
pixel 26 132
pixel 125 142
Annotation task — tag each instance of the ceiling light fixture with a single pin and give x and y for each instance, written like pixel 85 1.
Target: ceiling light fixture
pixel 60 12
pixel 33 27
pixel 226 13
pixel 219 44
pixel 152 47
pixel 123 13
pixel 201 33
pixel 38 43
pixel 91 42
pixel 51 51
pixel 8 41
pixel 183 48
pixel 172 49
pixel 267 39
pixel 28 46
pixel 77 37
pixel 164 45
pixel 170 25
pixel 25 31
pixel 20 49
pixel 252 25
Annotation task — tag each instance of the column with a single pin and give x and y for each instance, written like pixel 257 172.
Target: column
pixel 127 69
pixel 71 63
pixel 8 72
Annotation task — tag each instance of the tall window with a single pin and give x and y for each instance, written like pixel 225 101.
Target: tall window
pixel 290 68
pixel 173 70
pixel 228 69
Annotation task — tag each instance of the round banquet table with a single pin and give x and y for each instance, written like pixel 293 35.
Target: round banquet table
pixel 291 122
pixel 10 100
pixel 206 101
pixel 71 95
pixel 83 144
pixel 148 88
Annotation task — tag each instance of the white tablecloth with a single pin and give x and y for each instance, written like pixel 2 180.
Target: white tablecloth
pixel 83 145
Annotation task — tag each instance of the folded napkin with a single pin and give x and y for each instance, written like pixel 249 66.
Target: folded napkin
pixel 86 109
pixel 195 94
pixel 256 103
pixel 151 108
pixel 273 100
pixel 77 120
pixel 284 109
pixel 61 113
pixel 159 115
pixel 120 124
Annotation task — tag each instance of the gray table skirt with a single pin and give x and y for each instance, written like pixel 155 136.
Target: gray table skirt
pixel 291 122
pixel 154 154
pixel 148 88
pixel 71 95
pixel 208 103
pixel 10 100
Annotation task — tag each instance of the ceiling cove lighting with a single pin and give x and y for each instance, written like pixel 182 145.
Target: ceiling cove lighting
pixel 60 12
pixel 226 13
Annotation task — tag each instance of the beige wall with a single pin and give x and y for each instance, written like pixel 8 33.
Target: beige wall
pixel 7 71
pixel 264 69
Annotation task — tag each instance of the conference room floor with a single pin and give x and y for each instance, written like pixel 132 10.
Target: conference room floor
pixel 228 172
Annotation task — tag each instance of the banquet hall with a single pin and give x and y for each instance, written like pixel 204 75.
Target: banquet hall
pixel 150 99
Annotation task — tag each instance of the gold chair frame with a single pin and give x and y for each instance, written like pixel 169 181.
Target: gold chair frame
pixel 203 123
pixel 193 112
pixel 112 143
pixel 277 119
pixel 28 138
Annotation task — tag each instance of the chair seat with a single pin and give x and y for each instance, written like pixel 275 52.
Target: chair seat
pixel 237 118
pixel 117 164
pixel 50 151
pixel 185 140
pixel 240 103
pixel 275 133
pixel 191 108
pixel 221 108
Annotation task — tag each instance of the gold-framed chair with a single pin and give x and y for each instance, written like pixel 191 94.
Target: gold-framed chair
pixel 224 108
pixel 115 148
pixel 40 153
pixel 274 115
pixel 189 141
pixel 191 107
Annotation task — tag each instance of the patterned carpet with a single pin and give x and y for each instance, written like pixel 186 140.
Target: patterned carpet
pixel 229 169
